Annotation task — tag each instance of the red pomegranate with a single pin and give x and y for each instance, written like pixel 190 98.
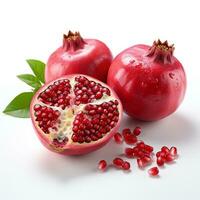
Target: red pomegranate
pixel 149 80
pixel 79 56
pixel 75 114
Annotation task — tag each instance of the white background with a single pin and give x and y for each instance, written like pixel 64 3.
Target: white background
pixel 33 29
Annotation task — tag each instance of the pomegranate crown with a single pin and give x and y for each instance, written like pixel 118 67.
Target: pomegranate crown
pixel 73 41
pixel 161 51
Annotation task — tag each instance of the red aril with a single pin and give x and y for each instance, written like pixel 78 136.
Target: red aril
pixel 159 161
pixel 158 154
pixel 126 165
pixel 79 56
pixel 118 138
pixel 118 162
pixel 165 149
pixel 129 138
pixel 169 158
pixel 148 148
pixel 149 80
pixel 129 152
pixel 141 163
pixel 102 165
pixel 173 151
pixel 75 114
pixel 154 171
pixel 137 131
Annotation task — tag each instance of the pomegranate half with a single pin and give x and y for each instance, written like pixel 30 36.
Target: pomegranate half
pixel 75 114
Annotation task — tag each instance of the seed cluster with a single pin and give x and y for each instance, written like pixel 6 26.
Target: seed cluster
pixel 46 117
pixel 142 152
pixel 86 91
pixel 95 121
pixel 121 164
pixel 57 94
pixel 166 155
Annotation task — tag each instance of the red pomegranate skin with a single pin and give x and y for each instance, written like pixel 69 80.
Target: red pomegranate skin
pixel 82 56
pixel 149 81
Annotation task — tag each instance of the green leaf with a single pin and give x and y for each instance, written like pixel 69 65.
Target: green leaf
pixel 30 80
pixel 38 68
pixel 19 106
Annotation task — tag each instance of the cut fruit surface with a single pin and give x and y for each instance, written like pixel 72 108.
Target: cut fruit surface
pixel 75 114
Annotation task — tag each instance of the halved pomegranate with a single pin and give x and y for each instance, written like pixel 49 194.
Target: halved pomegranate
pixel 75 114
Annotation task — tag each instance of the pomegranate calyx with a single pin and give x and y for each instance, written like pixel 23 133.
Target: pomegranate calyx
pixel 161 52
pixel 73 41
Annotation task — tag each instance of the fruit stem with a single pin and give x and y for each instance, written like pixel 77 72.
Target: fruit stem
pixel 161 52
pixel 73 41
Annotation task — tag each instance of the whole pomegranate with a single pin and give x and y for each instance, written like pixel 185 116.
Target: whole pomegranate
pixel 149 80
pixel 79 56
pixel 75 114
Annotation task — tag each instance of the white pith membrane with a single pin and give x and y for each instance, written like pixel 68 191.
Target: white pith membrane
pixel 64 130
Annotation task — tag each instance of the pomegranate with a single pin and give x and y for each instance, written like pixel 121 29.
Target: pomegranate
pixel 79 56
pixel 75 114
pixel 150 81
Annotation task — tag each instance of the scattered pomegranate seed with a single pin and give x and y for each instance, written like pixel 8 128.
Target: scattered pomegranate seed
pixel 129 152
pixel 130 138
pixel 173 151
pixel 158 154
pixel 140 163
pixel 102 165
pixel 137 131
pixel 126 131
pixel 118 162
pixel 118 138
pixel 147 159
pixel 148 148
pixel 165 149
pixel 126 165
pixel 154 171
pixel 142 152
pixel 159 161
pixel 169 158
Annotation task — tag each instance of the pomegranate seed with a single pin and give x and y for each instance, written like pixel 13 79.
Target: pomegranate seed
pixel 126 165
pixel 98 95
pixel 118 162
pixel 154 171
pixel 102 165
pixel 118 138
pixel 140 145
pixel 173 151
pixel 158 154
pixel 140 154
pixel 147 159
pixel 159 161
pixel 162 154
pixel 148 148
pixel 165 149
pixel 137 131
pixel 129 152
pixel 126 131
pixel 140 163
pixel 130 139
pixel 169 158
